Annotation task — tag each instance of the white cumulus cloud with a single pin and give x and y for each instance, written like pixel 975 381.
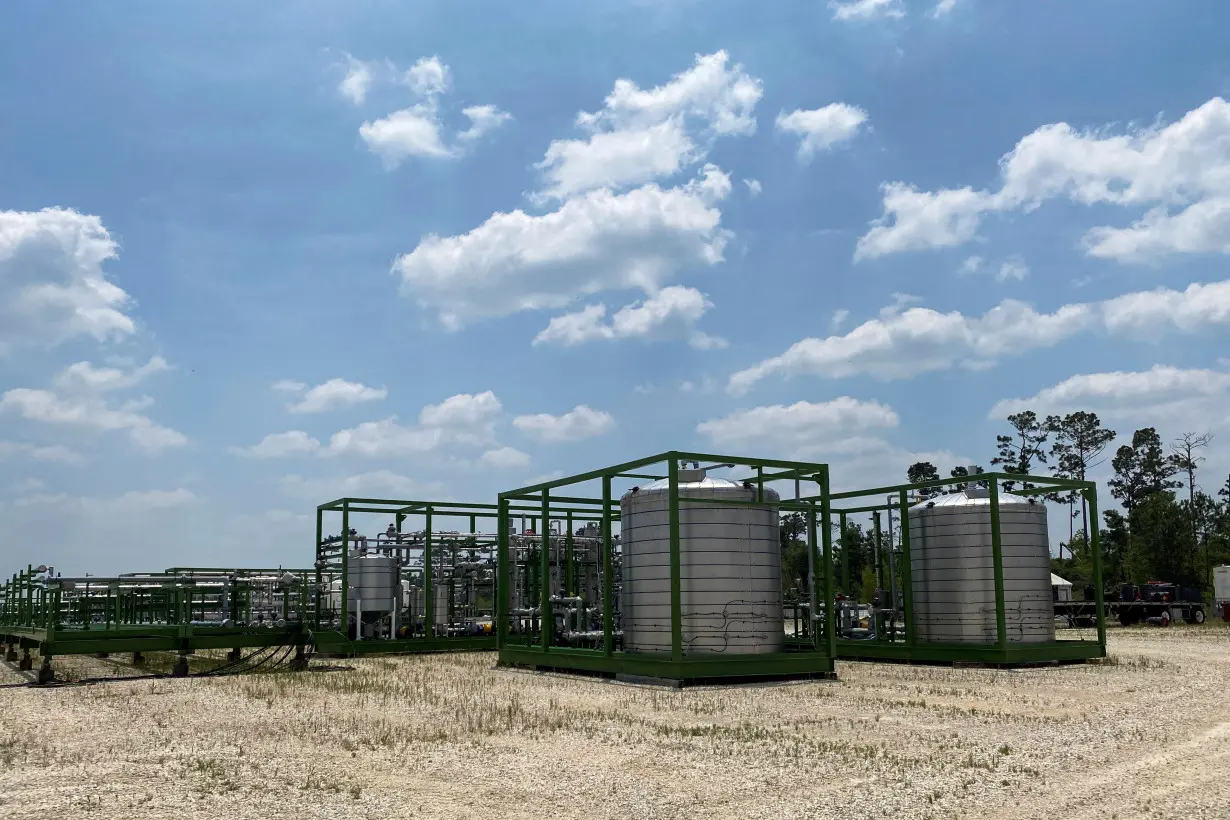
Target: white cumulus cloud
pixel 1181 171
pixel 79 402
pixel 505 458
pixel 595 242
pixel 821 128
pixel 866 9
pixel 52 284
pixel 799 423
pixel 86 376
pixel 463 420
pixel 280 445
pixel 579 423
pixel 418 130
pixel 1160 384
pixel 428 77
pixel 903 343
pixel 641 135
pixel 483 118
pixel 357 81
pixel 671 312
pixel 331 395
pixel 410 132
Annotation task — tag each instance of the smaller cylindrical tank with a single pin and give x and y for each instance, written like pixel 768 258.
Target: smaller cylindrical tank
pixel 439 614
pixel 374 581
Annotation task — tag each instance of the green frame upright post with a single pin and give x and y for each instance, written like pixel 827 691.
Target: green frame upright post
pixel 502 591
pixel 813 582
pixel 907 569
pixel 1095 544
pixel 547 612
pixel 845 557
pixel 879 549
pixel 429 586
pixel 997 556
pixel 826 512
pixel 320 515
pixel 569 570
pixel 676 593
pixel 608 584
pixel 344 615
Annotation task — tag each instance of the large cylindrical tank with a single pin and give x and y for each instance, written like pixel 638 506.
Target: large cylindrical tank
pixel 374 581
pixel 729 567
pixel 952 569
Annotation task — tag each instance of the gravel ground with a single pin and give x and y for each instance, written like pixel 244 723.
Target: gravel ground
pixel 1145 735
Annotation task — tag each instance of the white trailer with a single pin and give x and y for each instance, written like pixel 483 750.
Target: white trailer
pixel 1221 588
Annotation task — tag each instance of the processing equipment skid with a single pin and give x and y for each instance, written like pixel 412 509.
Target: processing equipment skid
pixel 689 591
pixel 180 610
pixel 423 588
pixel 967 577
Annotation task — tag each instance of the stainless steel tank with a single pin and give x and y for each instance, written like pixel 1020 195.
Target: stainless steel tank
pixel 374 581
pixel 729 563
pixel 952 570
pixel 439 614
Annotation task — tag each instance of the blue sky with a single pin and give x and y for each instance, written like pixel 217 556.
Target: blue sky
pixel 257 256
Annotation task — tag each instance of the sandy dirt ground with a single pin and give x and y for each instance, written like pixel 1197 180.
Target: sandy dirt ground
pixel 1145 735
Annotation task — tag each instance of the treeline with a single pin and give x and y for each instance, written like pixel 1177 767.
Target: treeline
pixel 858 541
pixel 1170 529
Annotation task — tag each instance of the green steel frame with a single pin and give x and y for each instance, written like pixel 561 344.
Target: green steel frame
pixel 1002 652
pixel 138 613
pixel 335 641
pixel 813 658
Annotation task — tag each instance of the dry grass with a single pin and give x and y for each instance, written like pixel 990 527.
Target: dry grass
pixel 1145 734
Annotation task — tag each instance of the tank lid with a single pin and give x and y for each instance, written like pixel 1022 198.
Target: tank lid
pixel 973 496
pixel 701 481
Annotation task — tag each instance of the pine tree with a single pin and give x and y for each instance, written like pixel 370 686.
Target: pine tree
pixel 1019 451
pixel 1080 440
pixel 924 471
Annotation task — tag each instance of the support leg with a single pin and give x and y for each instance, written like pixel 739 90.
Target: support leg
pixel 10 653
pixel 26 663
pixel 300 662
pixel 233 655
pixel 45 673
pixel 138 659
pixel 180 669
